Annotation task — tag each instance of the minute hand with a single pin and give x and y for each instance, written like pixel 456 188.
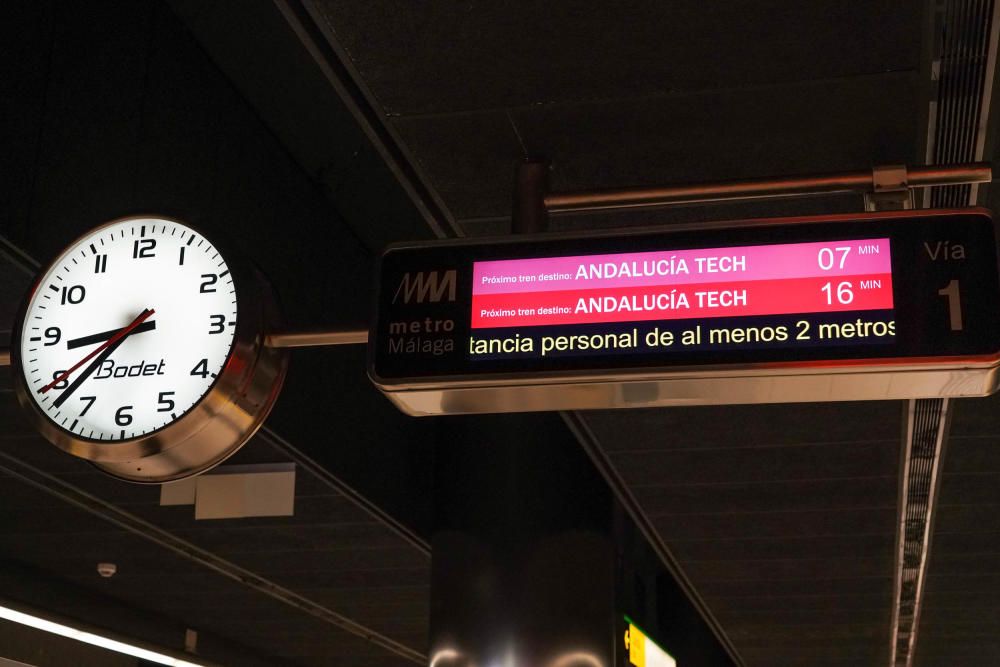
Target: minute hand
pixel 122 333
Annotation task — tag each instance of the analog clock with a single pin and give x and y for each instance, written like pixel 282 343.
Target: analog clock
pixel 140 348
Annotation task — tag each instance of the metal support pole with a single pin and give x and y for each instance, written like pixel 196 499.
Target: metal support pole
pixel 859 182
pixel 531 181
pixel 317 338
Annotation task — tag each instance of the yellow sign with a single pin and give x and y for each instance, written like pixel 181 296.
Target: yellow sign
pixel 642 651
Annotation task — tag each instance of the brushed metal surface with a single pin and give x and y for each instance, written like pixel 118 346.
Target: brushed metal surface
pixel 317 338
pixel 747 385
pixel 795 186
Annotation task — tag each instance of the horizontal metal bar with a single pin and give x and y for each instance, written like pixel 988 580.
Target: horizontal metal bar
pixel 286 339
pixel 317 338
pixel 797 186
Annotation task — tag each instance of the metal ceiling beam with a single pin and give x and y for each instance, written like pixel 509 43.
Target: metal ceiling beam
pixel 927 426
pixel 338 70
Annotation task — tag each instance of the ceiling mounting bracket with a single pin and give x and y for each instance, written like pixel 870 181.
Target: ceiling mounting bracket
pixel 890 190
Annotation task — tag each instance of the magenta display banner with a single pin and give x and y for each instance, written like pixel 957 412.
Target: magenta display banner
pixel 834 276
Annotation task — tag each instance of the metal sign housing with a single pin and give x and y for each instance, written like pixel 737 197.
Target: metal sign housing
pixel 850 307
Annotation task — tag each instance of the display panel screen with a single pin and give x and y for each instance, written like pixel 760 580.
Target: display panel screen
pixel 710 298
pixel 907 285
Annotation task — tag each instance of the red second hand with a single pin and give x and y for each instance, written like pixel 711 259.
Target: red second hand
pixel 144 315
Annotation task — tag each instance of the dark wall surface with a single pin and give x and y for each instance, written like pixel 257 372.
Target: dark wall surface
pixel 112 108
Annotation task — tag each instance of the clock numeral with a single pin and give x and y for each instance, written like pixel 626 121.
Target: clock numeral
pixel 90 401
pixel 206 286
pixel 218 324
pixel 60 385
pixel 143 248
pixel 100 263
pixel 201 369
pixel 123 418
pixel 165 401
pixel 73 294
pixel 53 334
pixel 182 256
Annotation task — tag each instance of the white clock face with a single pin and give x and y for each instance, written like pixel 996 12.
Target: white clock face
pixel 131 371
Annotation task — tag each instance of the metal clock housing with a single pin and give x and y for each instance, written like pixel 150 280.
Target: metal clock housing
pixel 240 384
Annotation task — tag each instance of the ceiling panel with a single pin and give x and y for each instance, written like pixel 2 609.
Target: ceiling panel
pixel 432 57
pixel 782 517
pixel 331 552
pixel 166 592
pixel 710 136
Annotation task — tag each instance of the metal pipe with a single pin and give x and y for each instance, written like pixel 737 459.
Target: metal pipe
pixel 317 338
pixel 797 186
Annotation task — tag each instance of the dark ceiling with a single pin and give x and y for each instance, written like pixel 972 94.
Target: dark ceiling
pixel 783 517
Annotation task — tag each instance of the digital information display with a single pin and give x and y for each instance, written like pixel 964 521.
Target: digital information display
pixel 656 303
pixel 886 289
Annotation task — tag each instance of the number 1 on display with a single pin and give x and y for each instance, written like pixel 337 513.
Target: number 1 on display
pixel 954 304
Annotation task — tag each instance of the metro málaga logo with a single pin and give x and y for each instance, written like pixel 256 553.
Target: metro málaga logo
pixel 426 287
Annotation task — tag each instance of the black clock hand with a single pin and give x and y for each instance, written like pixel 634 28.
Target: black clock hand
pixel 68 391
pixel 112 342
pixel 83 341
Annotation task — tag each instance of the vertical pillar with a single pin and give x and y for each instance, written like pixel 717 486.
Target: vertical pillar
pixel 523 562
pixel 523 559
pixel 531 182
pixel 533 560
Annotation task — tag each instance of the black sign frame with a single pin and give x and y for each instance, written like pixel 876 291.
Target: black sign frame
pixel 961 244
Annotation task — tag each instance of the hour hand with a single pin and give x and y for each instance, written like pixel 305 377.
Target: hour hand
pixel 113 342
pixel 83 341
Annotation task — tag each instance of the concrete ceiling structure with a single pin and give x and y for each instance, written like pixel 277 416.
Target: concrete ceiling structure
pixel 313 132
